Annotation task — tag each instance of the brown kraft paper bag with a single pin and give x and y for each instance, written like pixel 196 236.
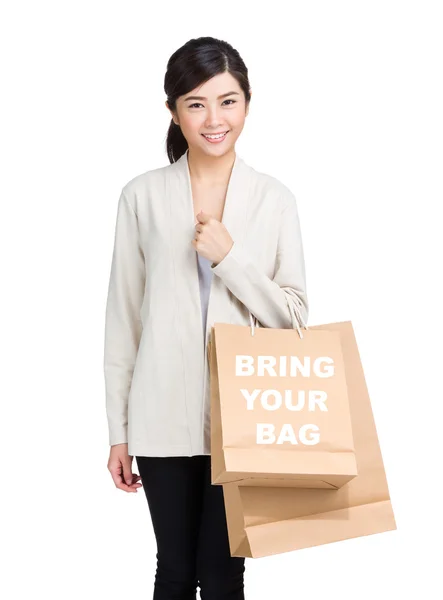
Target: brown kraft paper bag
pixel 263 521
pixel 279 408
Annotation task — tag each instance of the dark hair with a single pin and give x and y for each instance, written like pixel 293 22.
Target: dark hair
pixel 193 64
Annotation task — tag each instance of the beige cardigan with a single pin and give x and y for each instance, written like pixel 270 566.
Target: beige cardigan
pixel 155 355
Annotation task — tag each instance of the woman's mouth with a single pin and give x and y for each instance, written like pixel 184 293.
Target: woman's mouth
pixel 215 139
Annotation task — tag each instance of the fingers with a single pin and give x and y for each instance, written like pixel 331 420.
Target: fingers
pixel 122 485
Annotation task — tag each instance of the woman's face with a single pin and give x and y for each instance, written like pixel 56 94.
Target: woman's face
pixel 217 106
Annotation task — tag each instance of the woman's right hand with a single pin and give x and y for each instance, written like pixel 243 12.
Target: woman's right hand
pixel 120 467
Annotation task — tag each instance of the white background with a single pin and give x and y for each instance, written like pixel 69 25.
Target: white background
pixel 347 111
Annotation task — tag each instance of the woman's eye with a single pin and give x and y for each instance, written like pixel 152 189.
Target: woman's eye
pixel 198 103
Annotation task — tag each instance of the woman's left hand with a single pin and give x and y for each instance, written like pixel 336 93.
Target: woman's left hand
pixel 212 239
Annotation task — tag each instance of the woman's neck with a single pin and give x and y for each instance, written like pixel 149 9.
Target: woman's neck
pixel 208 170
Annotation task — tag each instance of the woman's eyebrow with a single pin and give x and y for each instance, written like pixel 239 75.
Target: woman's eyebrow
pixel 203 98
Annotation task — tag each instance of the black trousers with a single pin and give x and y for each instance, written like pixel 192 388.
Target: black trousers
pixel 189 522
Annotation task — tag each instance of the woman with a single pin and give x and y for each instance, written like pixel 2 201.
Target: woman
pixel 207 213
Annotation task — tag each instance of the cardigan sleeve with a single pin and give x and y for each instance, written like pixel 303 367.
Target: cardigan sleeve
pixel 122 321
pixel 268 299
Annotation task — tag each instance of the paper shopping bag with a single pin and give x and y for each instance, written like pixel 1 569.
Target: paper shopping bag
pixel 263 521
pixel 279 408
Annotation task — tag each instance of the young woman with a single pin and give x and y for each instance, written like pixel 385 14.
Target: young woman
pixel 205 239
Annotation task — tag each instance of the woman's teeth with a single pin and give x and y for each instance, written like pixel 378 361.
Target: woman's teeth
pixel 215 138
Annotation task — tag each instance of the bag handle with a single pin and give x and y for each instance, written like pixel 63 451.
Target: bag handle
pixel 296 318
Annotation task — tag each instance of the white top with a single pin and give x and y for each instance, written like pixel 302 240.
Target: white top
pixel 204 279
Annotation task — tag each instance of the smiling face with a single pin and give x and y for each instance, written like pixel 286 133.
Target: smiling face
pixel 216 106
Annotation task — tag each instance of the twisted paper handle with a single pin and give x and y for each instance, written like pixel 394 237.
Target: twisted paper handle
pixel 296 318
